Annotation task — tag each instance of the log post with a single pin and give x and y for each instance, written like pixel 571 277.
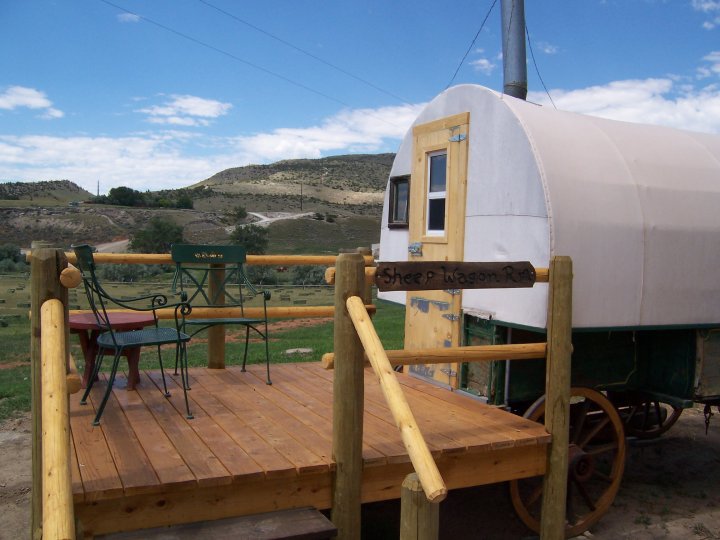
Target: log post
pixel 216 334
pixel 348 404
pixel 419 518
pixel 367 293
pixel 46 264
pixel 58 515
pixel 557 404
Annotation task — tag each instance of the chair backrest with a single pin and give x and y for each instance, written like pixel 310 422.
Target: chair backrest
pixel 94 291
pixel 211 275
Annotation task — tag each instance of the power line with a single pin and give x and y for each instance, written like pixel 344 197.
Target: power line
pixel 303 51
pixel 241 60
pixel 537 70
pixel 487 15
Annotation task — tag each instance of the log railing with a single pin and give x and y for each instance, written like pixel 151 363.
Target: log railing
pixel 349 278
pixel 57 503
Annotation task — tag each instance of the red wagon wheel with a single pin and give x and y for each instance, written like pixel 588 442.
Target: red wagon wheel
pixel 648 418
pixel 596 463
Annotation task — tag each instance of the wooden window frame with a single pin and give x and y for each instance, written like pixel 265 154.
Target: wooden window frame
pixel 393 222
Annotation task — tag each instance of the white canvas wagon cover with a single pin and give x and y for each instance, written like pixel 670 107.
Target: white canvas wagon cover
pixel 637 207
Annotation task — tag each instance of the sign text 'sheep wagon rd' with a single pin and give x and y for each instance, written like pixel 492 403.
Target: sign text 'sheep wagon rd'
pixel 432 275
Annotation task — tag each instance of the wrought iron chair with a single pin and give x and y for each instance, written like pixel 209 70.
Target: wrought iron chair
pixel 112 341
pixel 213 277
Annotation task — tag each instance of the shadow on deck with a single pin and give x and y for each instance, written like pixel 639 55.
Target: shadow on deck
pixel 254 448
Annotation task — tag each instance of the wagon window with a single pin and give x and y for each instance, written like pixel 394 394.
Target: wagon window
pixel 399 192
pixel 437 180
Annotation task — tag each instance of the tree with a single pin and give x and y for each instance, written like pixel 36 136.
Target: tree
pixel 125 196
pixel 308 275
pixel 157 237
pixel 253 238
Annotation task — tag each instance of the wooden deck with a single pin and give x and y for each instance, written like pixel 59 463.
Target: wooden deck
pixel 255 448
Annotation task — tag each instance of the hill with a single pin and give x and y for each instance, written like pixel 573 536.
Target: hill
pixel 357 179
pixel 341 195
pixel 52 193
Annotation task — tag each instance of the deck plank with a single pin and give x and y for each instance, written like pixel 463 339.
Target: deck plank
pixel 263 453
pixel 167 463
pixel 238 463
pixel 232 392
pixel 318 409
pixel 97 469
pixel 133 465
pixel 202 462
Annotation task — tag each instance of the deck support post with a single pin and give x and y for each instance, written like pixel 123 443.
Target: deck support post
pixel 557 404
pixel 348 400
pixel 419 518
pixel 46 264
pixel 216 334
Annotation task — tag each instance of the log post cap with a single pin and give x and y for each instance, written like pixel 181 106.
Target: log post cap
pixel 70 277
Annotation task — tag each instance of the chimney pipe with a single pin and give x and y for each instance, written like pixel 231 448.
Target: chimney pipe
pixel 513 47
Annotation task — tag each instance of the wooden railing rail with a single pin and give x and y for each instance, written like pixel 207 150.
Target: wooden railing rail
pixel 58 516
pixel 423 462
pixel 164 258
pixel 475 353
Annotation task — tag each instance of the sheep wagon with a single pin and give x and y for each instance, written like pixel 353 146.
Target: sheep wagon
pixel 482 176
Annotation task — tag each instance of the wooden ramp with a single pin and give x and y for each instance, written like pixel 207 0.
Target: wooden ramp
pixel 254 448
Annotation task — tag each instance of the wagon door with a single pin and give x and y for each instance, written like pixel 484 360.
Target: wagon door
pixel 437 233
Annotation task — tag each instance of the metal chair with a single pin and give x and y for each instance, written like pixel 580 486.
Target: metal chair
pixel 112 341
pixel 213 277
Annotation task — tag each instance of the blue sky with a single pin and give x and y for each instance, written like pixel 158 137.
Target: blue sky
pixel 164 93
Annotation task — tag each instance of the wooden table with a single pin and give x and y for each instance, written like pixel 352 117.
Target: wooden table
pixel 86 327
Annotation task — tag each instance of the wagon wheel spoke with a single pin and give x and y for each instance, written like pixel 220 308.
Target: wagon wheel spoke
pixel 580 422
pixel 646 416
pixel 602 476
pixel 594 431
pixel 535 495
pixel 602 448
pixel 658 413
pixel 584 495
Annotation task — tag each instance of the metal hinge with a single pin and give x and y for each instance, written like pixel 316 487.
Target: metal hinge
pixel 456 138
pixel 451 317
pixel 453 292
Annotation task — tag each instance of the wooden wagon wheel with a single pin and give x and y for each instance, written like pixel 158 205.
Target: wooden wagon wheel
pixel 646 418
pixel 596 463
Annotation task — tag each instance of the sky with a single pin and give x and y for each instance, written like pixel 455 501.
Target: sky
pixel 162 94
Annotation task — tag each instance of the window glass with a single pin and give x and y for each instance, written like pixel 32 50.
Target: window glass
pixel 399 197
pixel 437 181
pixel 436 215
pixel 438 169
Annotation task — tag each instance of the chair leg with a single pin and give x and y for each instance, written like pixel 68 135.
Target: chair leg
pixel 247 340
pixel 185 379
pixel 93 375
pixel 162 372
pixel 267 356
pixel 111 380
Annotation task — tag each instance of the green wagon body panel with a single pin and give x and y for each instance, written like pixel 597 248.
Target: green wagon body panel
pixel 659 363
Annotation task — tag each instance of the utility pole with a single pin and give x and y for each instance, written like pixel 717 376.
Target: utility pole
pixel 513 48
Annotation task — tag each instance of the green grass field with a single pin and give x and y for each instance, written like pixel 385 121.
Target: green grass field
pixel 15 334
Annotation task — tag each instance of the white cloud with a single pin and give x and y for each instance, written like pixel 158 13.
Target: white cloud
pixel 16 97
pixel 186 111
pixel 128 18
pixel 358 130
pixel 648 101
pixel 483 65
pixel 710 8
pixel 547 48
pixel 170 160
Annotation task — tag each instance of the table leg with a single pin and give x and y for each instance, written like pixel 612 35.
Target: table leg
pixel 133 358
pixel 88 344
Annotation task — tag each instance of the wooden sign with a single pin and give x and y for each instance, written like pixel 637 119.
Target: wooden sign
pixel 439 275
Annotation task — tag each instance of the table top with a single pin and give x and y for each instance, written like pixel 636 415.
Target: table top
pixel 118 320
